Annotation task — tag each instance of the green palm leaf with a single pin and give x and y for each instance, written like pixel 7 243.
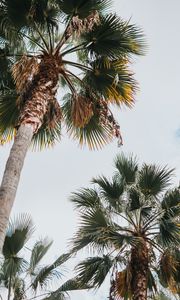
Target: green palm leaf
pixel 94 270
pixel 154 179
pixel 85 199
pixel 18 233
pixel 111 191
pixel 61 293
pixel 127 168
pixel 39 250
pixel 171 199
pixel 48 273
pixel 113 80
pixel 113 38
pixel 94 230
pixel 95 135
pixel 73 284
pixel 169 232
pixel 82 8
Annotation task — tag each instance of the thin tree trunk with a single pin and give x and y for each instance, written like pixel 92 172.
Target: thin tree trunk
pixel 139 271
pixel 37 97
pixel 11 176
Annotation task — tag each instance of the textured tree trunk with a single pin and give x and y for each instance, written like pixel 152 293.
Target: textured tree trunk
pixel 139 269
pixel 38 95
pixel 12 175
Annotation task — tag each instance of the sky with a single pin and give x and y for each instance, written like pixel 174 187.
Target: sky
pixel 151 130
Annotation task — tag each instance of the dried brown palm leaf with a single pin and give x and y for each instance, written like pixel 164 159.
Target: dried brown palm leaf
pixel 53 114
pixel 82 111
pixel 23 72
pixel 106 117
pixel 123 280
pixel 79 26
pixel 168 265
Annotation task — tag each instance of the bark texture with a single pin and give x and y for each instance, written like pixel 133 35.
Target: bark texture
pixel 40 92
pixel 34 102
pixel 11 176
pixel 139 271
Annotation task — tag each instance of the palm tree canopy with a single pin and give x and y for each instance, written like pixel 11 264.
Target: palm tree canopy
pixel 20 274
pixel 89 49
pixel 122 217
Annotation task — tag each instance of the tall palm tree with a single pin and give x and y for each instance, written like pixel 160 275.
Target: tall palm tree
pixel 40 41
pixel 20 270
pixel 134 224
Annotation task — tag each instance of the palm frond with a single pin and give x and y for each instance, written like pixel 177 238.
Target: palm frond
pixel 94 270
pixel 112 80
pixel 123 284
pixel 18 233
pixel 113 38
pixel 73 284
pixel 61 293
pixel 39 249
pixel 167 267
pixel 95 231
pixel 127 168
pixel 9 114
pixel 95 135
pixel 18 288
pixel 169 232
pixel 85 199
pixel 13 266
pixel 153 179
pixel 134 199
pixel 111 191
pixel 82 8
pixel 46 275
pixel 171 199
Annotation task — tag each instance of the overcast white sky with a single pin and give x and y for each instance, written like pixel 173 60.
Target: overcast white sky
pixel 150 130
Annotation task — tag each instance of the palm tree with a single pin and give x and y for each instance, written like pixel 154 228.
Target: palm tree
pixel 40 41
pixel 133 224
pixel 25 278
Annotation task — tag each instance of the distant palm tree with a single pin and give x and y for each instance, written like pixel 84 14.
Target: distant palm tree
pixel 134 225
pixel 43 42
pixel 20 270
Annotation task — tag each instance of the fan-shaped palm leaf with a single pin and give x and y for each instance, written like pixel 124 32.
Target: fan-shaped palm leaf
pixel 82 8
pixel 39 250
pixel 94 270
pixel 94 134
pixel 85 199
pixel 153 179
pixel 111 191
pixel 127 168
pixel 113 38
pixel 18 233
pixel 113 80
pixel 48 273
pixel 171 199
pixel 143 226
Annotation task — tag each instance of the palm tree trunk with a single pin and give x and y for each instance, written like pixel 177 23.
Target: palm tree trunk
pixel 139 269
pixel 11 176
pixel 40 93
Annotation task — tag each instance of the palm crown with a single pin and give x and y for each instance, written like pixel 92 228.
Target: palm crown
pixel 46 42
pixel 21 272
pixel 134 224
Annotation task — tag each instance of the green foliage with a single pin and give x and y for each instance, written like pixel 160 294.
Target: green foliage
pixel 82 8
pixel 93 270
pixel 127 168
pixel 34 30
pixel 113 38
pixel 20 275
pixel 154 179
pixel 124 216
